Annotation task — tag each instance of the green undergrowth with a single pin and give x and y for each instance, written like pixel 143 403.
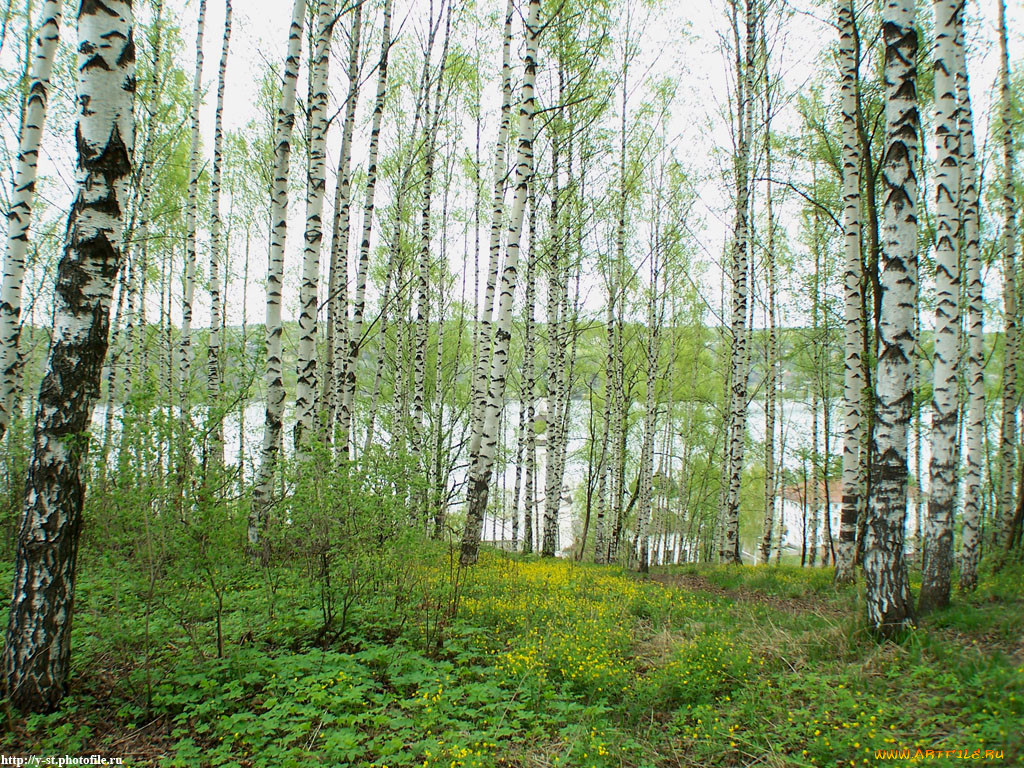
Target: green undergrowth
pixel 524 662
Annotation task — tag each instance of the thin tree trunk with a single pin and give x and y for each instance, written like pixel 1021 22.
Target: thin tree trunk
pixel 815 499
pixel 650 409
pixel 555 368
pixel 530 373
pixel 337 300
pixel 971 518
pixel 853 382
pixel 242 360
pixel 191 214
pixel 19 215
pixel 604 509
pixel 772 363
pixel 305 383
pixel 347 374
pixel 520 445
pixel 264 486
pixel 871 298
pixel 484 440
pixel 215 417
pixel 422 281
pixel 109 373
pixel 818 356
pixel 497 215
pixel 616 360
pixel 138 363
pixel 937 561
pixel 1008 429
pixel 740 266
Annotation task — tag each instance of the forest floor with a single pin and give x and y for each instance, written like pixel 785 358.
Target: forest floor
pixel 529 663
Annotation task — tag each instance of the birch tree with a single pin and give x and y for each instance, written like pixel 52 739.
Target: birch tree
pixel 484 440
pixel 191 215
pixel 655 312
pixel 972 507
pixel 889 606
pixel 422 330
pixel 938 534
pixel 818 355
pixel 316 181
pixel 337 300
pixel 355 331
pixel 773 376
pixel 739 267
pixel 556 353
pixel 19 214
pixel 213 364
pixel 274 379
pixel 853 343
pixel 530 375
pixel 38 641
pixel 483 340
pixel 1011 334
pixel 140 256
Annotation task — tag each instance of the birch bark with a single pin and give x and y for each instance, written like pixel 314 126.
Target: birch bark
pixel 274 379
pixel 316 182
pixel 191 214
pixel 38 641
pixel 889 606
pixel 971 517
pixel 1011 334
pixel 484 442
pixel 938 531
pixel 213 365
pixel 853 382
pixel 19 215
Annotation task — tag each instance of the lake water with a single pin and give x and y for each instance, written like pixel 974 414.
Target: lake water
pixel 794 438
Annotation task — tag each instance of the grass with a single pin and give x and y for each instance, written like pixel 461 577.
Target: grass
pixel 545 663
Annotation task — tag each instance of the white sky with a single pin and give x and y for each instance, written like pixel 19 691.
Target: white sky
pixel 681 40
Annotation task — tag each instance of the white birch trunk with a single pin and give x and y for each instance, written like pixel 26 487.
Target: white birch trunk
pixel 140 255
pixel 316 182
pixel 556 359
pixel 337 301
pixel 19 215
pixel 530 374
pixel 889 607
pixel 191 214
pixel 38 641
pixel 853 382
pixel 604 508
pixel 419 394
pixel 1008 430
pixel 971 518
pixel 616 365
pixel 213 364
pixel 644 499
pixel 264 485
pixel 483 339
pixel 772 352
pixel 730 551
pixel 484 442
pixel 938 531
pixel 348 372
